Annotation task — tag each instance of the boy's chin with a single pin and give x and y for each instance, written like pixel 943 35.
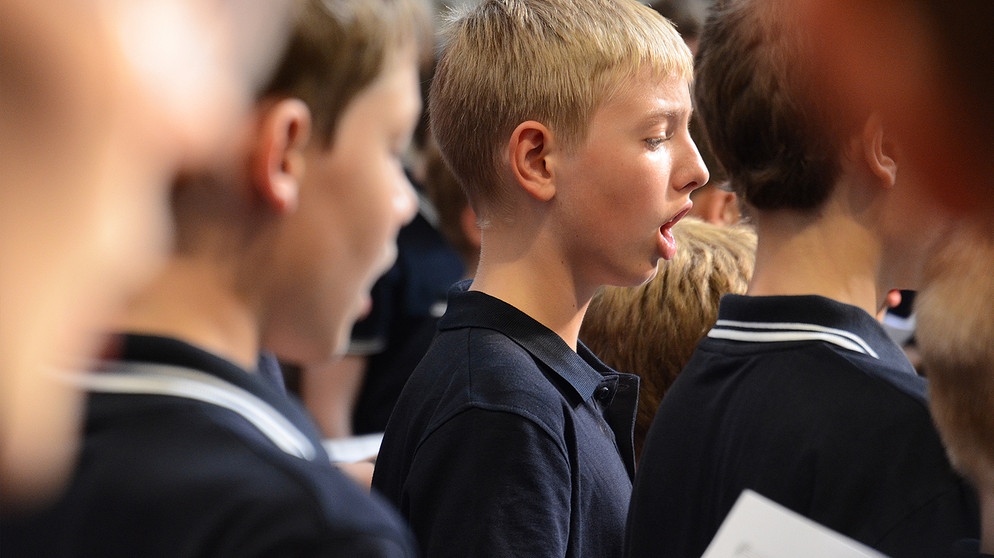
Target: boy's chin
pixel 363 307
pixel 648 277
pixel 643 276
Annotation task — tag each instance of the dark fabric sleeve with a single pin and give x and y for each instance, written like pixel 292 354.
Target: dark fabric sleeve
pixel 929 530
pixel 490 483
pixel 293 524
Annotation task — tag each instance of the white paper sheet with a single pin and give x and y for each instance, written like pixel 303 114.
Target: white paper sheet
pixel 758 527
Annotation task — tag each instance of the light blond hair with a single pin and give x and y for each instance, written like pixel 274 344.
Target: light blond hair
pixel 955 334
pixel 652 330
pixel 505 62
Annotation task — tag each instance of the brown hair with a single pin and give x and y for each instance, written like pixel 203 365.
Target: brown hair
pixel 760 118
pixel 339 47
pixel 652 330
pixel 687 15
pixel 449 200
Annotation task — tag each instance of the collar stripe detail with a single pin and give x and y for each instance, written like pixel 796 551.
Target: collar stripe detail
pixel 743 331
pixel 155 379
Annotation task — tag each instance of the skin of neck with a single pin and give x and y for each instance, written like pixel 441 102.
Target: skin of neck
pixel 196 301
pixel 839 250
pixel 210 291
pixel 519 262
pixel 831 257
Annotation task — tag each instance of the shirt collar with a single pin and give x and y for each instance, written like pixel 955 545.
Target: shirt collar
pixel 174 352
pixel 854 328
pixel 580 369
pixel 760 319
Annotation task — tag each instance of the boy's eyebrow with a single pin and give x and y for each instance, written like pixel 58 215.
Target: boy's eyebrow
pixel 667 114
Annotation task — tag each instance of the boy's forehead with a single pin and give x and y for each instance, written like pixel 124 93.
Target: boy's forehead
pixel 658 95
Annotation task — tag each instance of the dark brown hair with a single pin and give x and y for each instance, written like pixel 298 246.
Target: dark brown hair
pixel 751 95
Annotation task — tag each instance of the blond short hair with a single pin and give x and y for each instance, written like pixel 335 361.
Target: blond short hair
pixel 955 334
pixel 505 62
pixel 652 330
pixel 339 47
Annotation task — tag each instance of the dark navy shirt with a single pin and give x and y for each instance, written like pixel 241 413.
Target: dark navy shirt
pixel 506 442
pixel 806 401
pixel 968 548
pixel 186 454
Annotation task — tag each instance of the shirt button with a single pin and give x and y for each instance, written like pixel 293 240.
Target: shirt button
pixel 603 393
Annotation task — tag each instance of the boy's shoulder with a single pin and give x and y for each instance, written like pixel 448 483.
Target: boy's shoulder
pixel 498 351
pixel 478 367
pixel 193 466
pixel 242 439
pixel 489 355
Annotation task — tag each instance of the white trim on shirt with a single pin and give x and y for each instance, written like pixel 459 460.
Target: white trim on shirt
pixel 176 381
pixel 790 331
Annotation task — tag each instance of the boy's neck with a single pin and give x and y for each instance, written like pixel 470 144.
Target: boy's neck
pixel 190 303
pixel 542 294
pixel 803 255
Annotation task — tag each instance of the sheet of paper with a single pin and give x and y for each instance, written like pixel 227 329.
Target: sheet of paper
pixel 758 527
pixel 353 449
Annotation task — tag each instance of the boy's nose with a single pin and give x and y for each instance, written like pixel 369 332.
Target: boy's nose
pixel 697 172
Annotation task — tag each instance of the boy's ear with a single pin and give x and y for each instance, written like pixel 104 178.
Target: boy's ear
pixel 878 151
pixel 278 163
pixel 530 147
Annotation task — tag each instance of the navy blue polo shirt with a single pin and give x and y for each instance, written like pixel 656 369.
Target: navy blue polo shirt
pixel 968 548
pixel 186 454
pixel 506 442
pixel 806 401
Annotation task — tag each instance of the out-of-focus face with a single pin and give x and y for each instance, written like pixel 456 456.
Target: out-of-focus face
pixel 103 102
pixel 715 205
pixel 354 199
pixel 623 189
pixel 885 57
pixel 186 73
pixel 194 65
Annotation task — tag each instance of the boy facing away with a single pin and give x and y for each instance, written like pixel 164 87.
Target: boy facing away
pixel 797 392
pixel 189 450
pixel 566 123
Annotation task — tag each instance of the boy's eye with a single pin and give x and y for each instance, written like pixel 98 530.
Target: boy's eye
pixel 654 143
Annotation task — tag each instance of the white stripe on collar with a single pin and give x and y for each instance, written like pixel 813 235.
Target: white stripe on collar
pixel 790 332
pixel 159 379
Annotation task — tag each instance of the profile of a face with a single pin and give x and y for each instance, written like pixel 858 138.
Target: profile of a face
pixel 103 103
